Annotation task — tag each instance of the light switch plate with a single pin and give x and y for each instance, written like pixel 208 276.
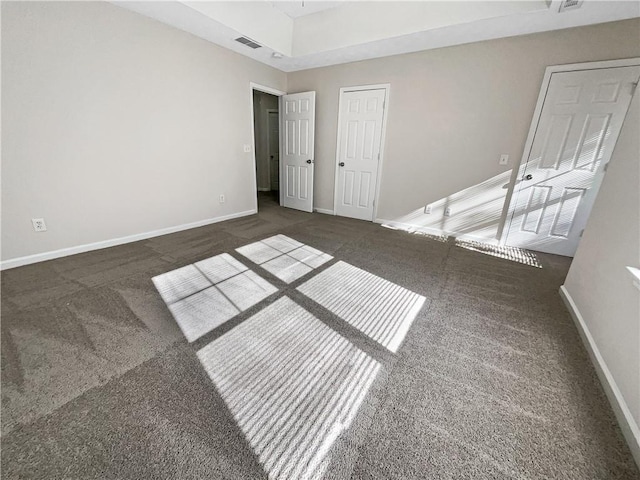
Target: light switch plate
pixel 247 148
pixel 504 159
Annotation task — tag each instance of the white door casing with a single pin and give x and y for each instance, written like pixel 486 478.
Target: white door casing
pixel 578 125
pixel 360 133
pixel 297 131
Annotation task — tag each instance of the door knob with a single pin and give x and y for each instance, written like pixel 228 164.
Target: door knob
pixel 528 177
pixel 341 164
pixel 309 161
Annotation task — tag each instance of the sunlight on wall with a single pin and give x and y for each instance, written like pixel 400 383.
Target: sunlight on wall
pixel 284 257
pixel 292 384
pixel 203 296
pixel 377 307
pixel 475 211
pixel 514 254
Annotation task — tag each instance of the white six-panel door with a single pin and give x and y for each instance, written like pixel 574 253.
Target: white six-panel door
pixel 359 143
pixel 297 152
pixel 579 124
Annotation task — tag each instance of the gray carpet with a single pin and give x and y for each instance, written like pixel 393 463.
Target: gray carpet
pixel 489 381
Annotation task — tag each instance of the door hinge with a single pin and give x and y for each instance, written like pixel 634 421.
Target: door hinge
pixel 606 167
pixel 633 88
pixel 581 232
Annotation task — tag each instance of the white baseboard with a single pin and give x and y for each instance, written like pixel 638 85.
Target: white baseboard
pixel 64 252
pixel 326 211
pixel 626 421
pixel 409 227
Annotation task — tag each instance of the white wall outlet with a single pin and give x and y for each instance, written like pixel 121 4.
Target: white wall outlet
pixel 427 209
pixel 247 148
pixel 39 225
pixel 447 212
pixel 222 199
pixel 504 159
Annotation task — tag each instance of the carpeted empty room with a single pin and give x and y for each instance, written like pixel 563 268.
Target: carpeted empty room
pixel 490 379
pixel 320 240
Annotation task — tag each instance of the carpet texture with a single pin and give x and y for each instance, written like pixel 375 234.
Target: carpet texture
pixel 473 368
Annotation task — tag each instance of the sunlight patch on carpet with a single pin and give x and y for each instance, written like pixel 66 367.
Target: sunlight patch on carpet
pixel 284 257
pixel 205 295
pixel 515 254
pixel 377 307
pixel 292 384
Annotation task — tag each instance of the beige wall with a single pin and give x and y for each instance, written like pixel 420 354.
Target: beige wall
pixel 114 124
pixel 452 112
pixel 598 282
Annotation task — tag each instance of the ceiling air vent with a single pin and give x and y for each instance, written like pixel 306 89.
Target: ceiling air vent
pixel 248 42
pixel 569 5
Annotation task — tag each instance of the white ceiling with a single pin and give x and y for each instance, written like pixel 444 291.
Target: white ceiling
pixel 302 8
pixel 341 32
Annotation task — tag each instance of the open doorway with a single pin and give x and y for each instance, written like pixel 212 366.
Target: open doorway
pixel 283 168
pixel 266 138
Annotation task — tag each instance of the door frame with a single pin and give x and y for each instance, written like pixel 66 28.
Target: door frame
pixel 270 111
pixel 518 170
pixel 383 135
pixel 271 91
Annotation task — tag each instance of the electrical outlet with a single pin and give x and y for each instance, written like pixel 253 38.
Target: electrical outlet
pixel 39 225
pixel 427 209
pixel 222 198
pixel 247 148
pixel 504 159
pixel 447 212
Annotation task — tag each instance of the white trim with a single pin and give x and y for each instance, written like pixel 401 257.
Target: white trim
pixel 635 273
pixel 272 91
pixel 626 421
pixel 325 211
pixel 411 228
pixel 88 247
pixel 572 67
pixel 380 86
pixel 512 195
pixel 265 89
pixel 360 88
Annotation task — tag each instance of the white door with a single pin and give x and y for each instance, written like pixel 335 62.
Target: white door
pixel 298 132
pixel 274 149
pixel 359 140
pixel 577 130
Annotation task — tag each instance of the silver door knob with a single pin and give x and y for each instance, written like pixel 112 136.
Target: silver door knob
pixel 528 177
pixel 309 161
pixel 341 164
